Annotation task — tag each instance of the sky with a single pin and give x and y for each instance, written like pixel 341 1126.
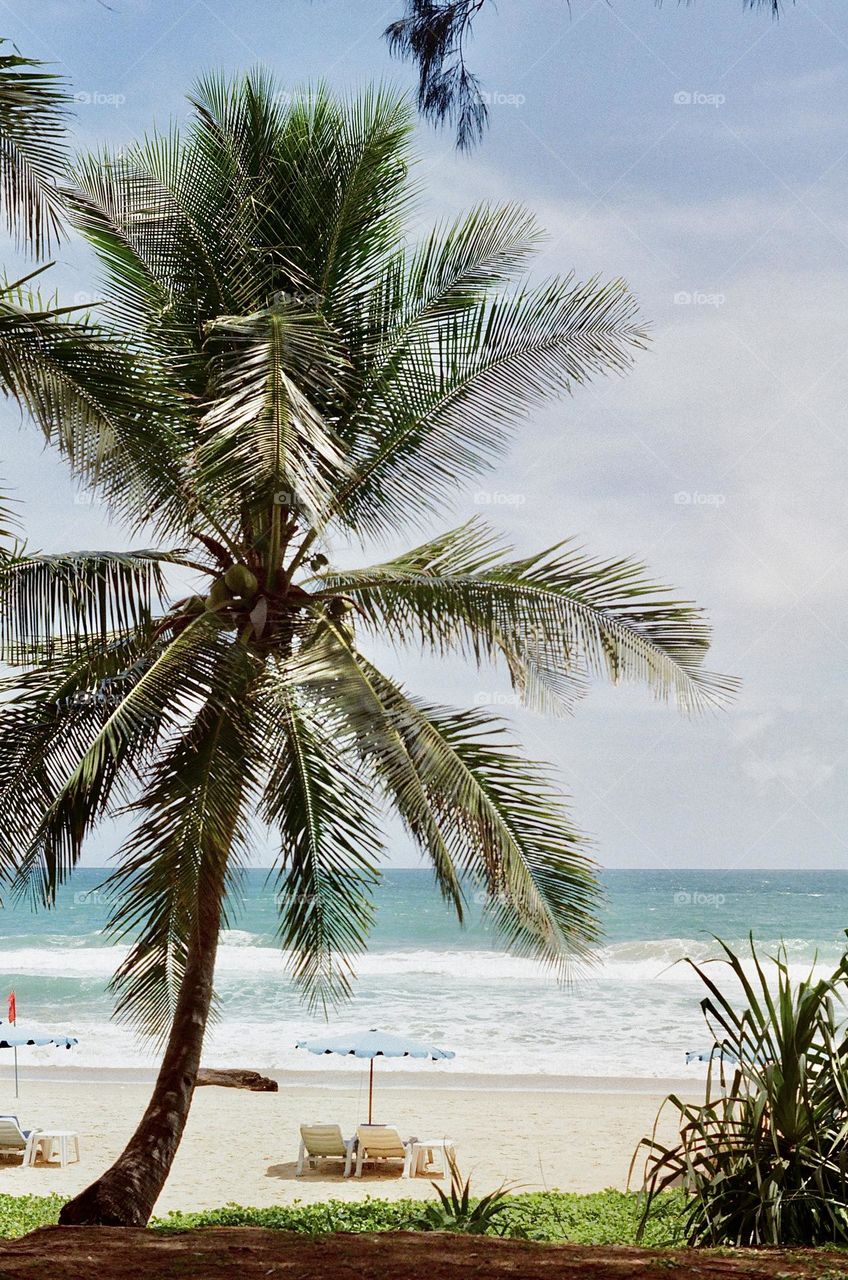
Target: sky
pixel 700 153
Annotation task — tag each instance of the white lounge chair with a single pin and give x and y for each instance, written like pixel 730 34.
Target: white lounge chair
pixel 382 1142
pixel 17 1141
pixel 324 1142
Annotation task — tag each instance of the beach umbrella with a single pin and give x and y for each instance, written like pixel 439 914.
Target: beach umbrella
pixel 11 1036
pixel 715 1054
pixel 374 1044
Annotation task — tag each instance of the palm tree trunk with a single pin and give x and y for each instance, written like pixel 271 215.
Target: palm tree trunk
pixel 126 1193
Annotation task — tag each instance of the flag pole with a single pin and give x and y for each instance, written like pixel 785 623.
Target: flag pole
pixel 12 1014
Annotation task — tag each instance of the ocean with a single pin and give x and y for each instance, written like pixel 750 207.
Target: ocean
pixel 634 1014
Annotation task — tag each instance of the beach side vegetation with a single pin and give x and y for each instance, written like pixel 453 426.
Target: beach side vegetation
pixel 602 1218
pixel 764 1159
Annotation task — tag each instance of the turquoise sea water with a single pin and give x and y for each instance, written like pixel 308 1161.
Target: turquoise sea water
pixel 634 1014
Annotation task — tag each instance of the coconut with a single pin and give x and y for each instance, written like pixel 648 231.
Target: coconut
pixel 219 595
pixel 241 580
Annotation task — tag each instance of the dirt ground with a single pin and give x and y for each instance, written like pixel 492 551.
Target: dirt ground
pixel 78 1253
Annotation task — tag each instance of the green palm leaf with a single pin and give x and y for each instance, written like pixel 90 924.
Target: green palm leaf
pixel 159 693
pixel 555 617
pixel 453 400
pixel 498 817
pixel 50 601
pixel 263 439
pixel 33 109
pixel 194 824
pixel 320 806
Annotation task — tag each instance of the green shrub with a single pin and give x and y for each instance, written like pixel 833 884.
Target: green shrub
pixel 606 1217
pixel 765 1156
pixel 457 1210
pixel 20 1214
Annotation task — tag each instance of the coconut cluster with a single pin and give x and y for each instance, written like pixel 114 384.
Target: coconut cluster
pixel 238 582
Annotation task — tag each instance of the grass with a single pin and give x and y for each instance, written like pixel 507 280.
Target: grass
pixel 607 1217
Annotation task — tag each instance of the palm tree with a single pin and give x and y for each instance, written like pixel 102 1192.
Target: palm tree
pixel 434 35
pixel 278 368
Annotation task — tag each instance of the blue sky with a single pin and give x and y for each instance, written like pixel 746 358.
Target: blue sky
pixel 701 154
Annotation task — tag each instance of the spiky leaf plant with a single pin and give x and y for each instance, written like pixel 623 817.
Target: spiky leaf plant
pixel 764 1158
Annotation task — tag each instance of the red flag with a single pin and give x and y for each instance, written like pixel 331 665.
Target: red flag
pixel 12 1009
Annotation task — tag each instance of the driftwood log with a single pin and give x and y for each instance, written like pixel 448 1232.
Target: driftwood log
pixel 234 1078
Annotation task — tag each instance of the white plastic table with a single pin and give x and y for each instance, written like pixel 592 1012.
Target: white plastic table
pixel 424 1151
pixel 55 1142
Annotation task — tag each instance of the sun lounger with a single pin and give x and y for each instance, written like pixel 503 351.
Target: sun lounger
pixel 324 1142
pixel 382 1142
pixel 16 1141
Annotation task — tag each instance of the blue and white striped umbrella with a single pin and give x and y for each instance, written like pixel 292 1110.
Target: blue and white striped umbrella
pixel 374 1044
pixel 13 1036
pixel 715 1054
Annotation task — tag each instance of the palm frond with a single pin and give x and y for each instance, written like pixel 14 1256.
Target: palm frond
pixel 320 806
pixel 326 669
pixel 193 828
pixel 33 110
pixel 10 525
pixel 556 617
pixel 455 266
pixel 499 818
pixel 74 599
pixel 163 689
pixel 108 412
pixel 50 715
pixel 262 438
pixel 454 399
pixel 506 826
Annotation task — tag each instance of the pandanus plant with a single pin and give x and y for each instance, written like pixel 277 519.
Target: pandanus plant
pixel 765 1157
pixel 277 368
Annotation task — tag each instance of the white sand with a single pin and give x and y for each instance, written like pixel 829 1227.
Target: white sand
pixel 241 1147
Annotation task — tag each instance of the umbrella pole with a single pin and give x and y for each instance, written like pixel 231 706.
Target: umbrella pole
pixel 370 1090
pixel 16 1071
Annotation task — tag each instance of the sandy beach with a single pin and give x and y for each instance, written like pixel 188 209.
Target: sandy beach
pixel 241 1147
